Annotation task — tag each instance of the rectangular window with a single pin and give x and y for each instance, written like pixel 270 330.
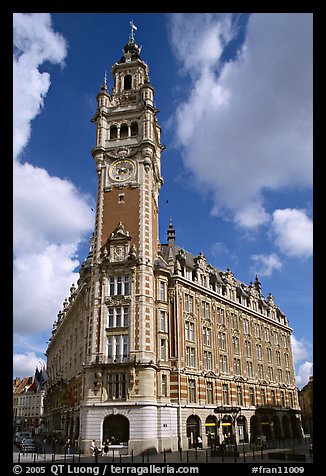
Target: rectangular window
pixel 222 340
pixel 223 363
pixel 225 394
pixel 116 386
pixel 119 285
pixel 260 371
pixel 189 328
pixel 162 291
pixel 291 400
pixel 117 348
pixel 163 349
pixel 248 349
pixel 282 398
pixel 191 391
pixel 117 345
pixel 111 286
pixel 204 310
pixel 125 316
pixel 258 352
pixel 235 345
pixel 237 366
pixel 190 357
pixel 286 360
pixel 269 354
pixel 251 396
pixel 273 398
pixel 245 326
pixel 207 360
pixel 267 335
pixel 111 321
pixel 239 395
pixel 127 286
pixel 110 347
pixel 209 392
pixel 162 321
pixel 279 375
pixel 250 373
pixel 188 303
pixel 118 317
pixel 124 346
pixel 220 316
pixel 206 336
pixel 164 385
pixel 262 396
pixel 234 322
pixel 257 330
pixel 276 340
pixel 288 377
pixel 278 357
pixel 271 374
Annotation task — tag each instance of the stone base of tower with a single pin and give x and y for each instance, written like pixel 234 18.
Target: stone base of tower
pixel 140 427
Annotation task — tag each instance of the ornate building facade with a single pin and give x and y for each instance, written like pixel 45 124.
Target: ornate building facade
pixel 154 346
pixel 27 406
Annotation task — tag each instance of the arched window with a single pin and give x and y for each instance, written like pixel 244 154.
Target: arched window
pixel 113 132
pixel 134 129
pixel 127 82
pixel 123 131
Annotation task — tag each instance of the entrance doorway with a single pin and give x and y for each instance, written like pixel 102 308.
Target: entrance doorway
pixel 211 430
pixel 227 429
pixel 193 430
pixel 116 429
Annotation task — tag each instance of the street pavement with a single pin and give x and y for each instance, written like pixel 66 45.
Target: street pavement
pixel 293 456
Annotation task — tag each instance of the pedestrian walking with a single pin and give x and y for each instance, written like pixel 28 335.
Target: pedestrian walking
pixel 68 446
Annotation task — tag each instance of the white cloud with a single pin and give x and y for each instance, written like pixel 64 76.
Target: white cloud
pixel 304 372
pixel 25 364
pixel 301 352
pixel 51 216
pixel 293 231
pixel 264 265
pixel 34 43
pixel 246 126
pixel 299 349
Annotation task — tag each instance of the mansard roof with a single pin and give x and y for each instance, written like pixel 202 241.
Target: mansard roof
pixel 176 259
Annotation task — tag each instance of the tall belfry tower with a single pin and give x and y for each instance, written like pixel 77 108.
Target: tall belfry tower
pixel 127 154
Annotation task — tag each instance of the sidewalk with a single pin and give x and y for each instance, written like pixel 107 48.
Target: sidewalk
pixel 188 457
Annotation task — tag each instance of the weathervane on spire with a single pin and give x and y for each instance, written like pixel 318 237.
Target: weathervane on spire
pixel 133 28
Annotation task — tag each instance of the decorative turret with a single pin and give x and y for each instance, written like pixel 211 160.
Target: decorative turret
pixel 171 233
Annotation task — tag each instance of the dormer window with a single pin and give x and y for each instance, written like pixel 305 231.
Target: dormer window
pixel 127 82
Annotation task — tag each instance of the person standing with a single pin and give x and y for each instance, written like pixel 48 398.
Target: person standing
pixel 68 446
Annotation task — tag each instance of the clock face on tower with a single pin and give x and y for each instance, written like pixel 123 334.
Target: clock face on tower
pixel 122 170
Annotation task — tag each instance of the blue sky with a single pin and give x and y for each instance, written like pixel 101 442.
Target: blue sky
pixel 235 98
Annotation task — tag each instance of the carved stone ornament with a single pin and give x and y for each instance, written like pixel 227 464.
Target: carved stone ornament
pixel 121 153
pixel 117 247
